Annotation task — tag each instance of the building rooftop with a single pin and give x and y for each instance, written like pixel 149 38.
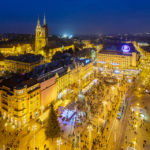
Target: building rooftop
pixel 27 58
pixel 119 49
pixel 146 48
pixel 43 72
pixel 60 67
pixel 18 82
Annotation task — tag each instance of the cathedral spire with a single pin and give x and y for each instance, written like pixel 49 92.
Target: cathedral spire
pixel 38 22
pixel 44 21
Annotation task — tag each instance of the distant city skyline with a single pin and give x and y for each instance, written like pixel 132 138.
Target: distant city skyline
pixel 76 16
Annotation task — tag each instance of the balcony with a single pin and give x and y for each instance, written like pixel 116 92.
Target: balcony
pixel 18 110
pixel 4 102
pixel 5 109
pixel 4 96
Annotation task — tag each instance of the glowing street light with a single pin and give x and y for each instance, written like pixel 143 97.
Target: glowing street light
pixel 34 128
pixel 6 124
pixel 113 88
pixel 59 142
pixel 104 103
pixel 142 116
pixel 137 113
pixel 134 142
pixel 90 129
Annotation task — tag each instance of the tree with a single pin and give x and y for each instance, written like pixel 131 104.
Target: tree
pixel 53 128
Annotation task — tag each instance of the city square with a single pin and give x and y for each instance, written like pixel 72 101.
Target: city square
pixel 80 81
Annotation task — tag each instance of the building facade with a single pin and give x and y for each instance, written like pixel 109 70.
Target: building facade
pixel 124 58
pixel 20 102
pixel 22 63
pixel 16 50
pixel 22 98
pixel 41 35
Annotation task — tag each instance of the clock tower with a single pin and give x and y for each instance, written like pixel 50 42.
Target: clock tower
pixel 41 35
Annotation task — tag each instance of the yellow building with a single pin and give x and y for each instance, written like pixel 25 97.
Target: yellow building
pixel 48 54
pixel 81 74
pixel 20 100
pixel 43 46
pixel 89 44
pixel 15 50
pixel 144 49
pixel 52 51
pixel 22 63
pixel 123 58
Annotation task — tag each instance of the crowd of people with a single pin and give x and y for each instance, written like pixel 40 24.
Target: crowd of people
pixel 92 105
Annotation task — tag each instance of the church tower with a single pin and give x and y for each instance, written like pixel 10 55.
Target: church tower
pixel 41 35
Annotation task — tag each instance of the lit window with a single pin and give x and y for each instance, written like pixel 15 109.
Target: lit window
pixel 19 91
pixel 24 120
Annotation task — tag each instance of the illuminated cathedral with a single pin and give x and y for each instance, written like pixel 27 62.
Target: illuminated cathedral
pixel 41 36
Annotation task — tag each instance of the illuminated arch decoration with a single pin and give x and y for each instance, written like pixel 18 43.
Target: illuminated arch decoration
pixel 126 48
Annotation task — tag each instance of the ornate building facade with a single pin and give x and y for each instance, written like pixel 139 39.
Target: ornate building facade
pixel 41 35
pixel 21 98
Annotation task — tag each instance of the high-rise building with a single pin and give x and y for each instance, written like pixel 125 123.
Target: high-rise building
pixel 41 36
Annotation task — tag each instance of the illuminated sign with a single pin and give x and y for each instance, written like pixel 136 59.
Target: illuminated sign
pixel 87 61
pixel 101 62
pixel 129 80
pixel 116 71
pixel 125 48
pixel 101 69
pixel 115 64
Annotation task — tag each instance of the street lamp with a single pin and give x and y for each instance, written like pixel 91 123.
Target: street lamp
pixel 34 128
pixel 59 142
pixel 6 124
pixel 90 129
pixel 134 142
pixel 113 88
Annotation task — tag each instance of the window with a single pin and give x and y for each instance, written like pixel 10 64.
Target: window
pixel 24 120
pixel 19 92
pixel 16 122
pixel 23 105
pixel 12 119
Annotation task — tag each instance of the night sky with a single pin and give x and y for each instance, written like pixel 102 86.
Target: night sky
pixel 76 16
